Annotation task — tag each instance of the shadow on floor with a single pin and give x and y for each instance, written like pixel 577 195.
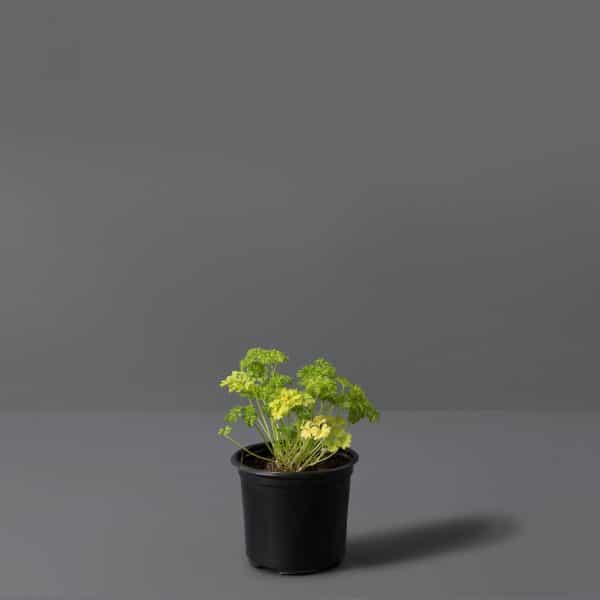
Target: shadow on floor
pixel 428 539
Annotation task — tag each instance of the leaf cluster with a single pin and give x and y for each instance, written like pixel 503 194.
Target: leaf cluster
pixel 320 379
pixel 303 422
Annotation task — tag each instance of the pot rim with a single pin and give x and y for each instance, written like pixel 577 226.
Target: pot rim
pixel 236 462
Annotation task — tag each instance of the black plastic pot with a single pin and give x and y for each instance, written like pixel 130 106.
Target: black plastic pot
pixel 295 523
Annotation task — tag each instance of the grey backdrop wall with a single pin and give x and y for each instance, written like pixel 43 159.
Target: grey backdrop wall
pixel 410 189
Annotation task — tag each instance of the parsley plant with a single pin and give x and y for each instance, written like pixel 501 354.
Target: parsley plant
pixel 301 423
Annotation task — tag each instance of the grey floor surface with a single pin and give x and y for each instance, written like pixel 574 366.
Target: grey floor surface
pixel 443 505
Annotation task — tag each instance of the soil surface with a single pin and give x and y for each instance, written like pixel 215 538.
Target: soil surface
pixel 337 460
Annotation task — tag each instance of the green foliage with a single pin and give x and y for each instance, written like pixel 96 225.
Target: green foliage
pixel 319 378
pixel 304 424
pixel 259 361
pixel 249 415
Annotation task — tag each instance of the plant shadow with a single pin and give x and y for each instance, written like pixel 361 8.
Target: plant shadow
pixel 428 539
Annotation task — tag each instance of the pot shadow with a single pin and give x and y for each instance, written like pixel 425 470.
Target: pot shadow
pixel 428 539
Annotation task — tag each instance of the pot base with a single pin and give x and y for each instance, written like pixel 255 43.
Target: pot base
pixel 307 572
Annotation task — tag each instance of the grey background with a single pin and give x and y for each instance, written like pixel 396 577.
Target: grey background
pixel 410 189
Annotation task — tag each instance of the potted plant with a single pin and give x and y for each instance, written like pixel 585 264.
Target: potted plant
pixel 295 483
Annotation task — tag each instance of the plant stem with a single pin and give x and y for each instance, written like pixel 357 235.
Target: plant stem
pixel 246 449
